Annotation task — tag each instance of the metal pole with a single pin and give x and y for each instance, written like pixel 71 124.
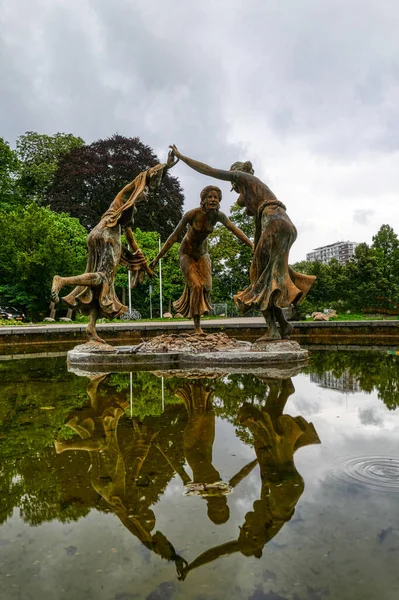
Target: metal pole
pixel 160 280
pixel 129 289
pixel 131 394
pixel 163 395
pixel 129 293
pixel 150 301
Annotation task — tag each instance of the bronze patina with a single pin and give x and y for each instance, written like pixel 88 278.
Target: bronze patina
pixel 94 294
pixel 195 262
pixel 274 285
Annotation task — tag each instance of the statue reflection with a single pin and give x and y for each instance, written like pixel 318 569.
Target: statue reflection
pixel 133 461
pixel 276 438
pixel 116 472
pixel 198 439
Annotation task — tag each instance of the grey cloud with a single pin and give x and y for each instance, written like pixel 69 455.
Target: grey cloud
pixel 322 74
pixel 362 216
pixel 369 416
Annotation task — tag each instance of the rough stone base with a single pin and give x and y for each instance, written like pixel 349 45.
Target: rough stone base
pixel 194 344
pixel 185 351
pixel 94 348
pixel 284 347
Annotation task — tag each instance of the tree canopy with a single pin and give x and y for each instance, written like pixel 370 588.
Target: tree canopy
pixel 9 172
pixel 231 258
pixel 39 155
pixel 368 282
pixel 89 177
pixel 39 244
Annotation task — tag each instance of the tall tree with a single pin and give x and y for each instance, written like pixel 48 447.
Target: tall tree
pixel 39 243
pixel 39 155
pixel 9 169
pixel 386 249
pixel 89 177
pixel 231 258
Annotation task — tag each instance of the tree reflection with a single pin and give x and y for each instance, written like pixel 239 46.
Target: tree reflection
pixel 133 460
pixel 372 370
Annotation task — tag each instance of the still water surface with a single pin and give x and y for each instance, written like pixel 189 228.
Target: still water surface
pixel 190 486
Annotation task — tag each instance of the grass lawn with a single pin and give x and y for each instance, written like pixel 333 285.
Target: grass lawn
pixel 362 317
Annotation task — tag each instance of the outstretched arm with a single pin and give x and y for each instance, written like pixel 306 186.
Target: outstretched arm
pixel 130 239
pixel 202 167
pixel 133 245
pixel 237 232
pixel 174 237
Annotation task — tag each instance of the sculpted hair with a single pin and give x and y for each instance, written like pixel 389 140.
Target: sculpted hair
pixel 246 167
pixel 210 188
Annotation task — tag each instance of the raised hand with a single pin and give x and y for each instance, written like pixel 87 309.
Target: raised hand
pixel 175 151
pixel 153 264
pixel 172 160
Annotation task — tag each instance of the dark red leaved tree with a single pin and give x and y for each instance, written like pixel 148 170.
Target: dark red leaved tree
pixel 89 177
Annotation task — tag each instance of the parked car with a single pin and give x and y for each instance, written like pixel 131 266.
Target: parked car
pixel 9 312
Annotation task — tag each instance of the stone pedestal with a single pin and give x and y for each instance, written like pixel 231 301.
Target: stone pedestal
pixel 183 351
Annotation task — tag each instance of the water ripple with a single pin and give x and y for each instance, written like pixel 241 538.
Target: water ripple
pixel 380 473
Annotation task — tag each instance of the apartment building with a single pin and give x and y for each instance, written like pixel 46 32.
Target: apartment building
pixel 341 251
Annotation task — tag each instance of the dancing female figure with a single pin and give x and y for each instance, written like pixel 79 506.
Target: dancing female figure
pixel 274 285
pixel 95 293
pixel 195 262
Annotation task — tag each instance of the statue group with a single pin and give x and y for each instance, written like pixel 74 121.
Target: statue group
pixel 273 286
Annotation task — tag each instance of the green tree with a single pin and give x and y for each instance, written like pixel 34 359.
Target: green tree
pixel 172 278
pixel 330 288
pixel 38 244
pixel 39 155
pixel 230 258
pixel 9 169
pixel 364 283
pixel 386 248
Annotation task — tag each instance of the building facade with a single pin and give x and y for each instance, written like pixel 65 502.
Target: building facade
pixel 341 251
pixel 345 383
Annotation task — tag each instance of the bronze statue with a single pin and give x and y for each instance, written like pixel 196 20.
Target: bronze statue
pixel 274 285
pixel 95 293
pixel 195 262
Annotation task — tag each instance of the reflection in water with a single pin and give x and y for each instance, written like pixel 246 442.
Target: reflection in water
pixel 345 383
pixel 116 472
pixel 125 461
pixel 358 371
pixel 198 438
pixel 140 453
pixel 276 437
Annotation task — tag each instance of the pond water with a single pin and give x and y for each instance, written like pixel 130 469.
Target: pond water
pixel 200 486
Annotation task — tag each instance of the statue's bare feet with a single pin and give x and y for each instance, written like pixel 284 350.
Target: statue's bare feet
pixel 55 288
pixel 93 337
pixel 197 326
pixel 270 336
pixel 286 330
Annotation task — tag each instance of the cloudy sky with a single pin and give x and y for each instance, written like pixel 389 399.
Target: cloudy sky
pixel 308 91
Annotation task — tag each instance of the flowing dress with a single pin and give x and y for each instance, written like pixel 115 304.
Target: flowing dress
pixel 105 253
pixel 195 299
pixel 273 282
